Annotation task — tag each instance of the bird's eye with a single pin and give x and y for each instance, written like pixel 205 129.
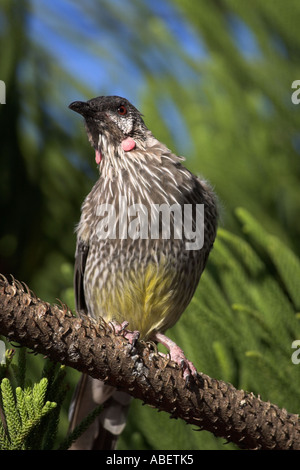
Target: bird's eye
pixel 122 110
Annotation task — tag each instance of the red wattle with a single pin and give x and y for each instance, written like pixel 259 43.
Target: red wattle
pixel 128 144
pixel 98 157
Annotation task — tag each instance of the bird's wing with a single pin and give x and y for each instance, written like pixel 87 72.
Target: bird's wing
pixel 82 250
pixel 103 433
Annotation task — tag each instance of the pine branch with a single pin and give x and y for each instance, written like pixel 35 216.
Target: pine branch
pixel 95 349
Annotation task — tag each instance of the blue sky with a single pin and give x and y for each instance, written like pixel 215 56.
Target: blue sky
pixel 51 23
pixel 90 50
pixel 88 47
pixel 102 48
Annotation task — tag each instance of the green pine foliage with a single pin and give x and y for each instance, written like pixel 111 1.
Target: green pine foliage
pixel 23 414
pixel 31 413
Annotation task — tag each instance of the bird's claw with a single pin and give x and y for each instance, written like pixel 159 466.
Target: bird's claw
pixel 177 355
pixel 187 367
pixel 120 329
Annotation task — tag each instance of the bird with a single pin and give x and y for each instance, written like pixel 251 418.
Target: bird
pixel 138 260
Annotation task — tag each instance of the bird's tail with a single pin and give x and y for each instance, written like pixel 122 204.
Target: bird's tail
pixel 103 433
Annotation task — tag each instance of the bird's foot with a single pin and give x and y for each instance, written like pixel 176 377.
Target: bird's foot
pixel 120 329
pixel 177 355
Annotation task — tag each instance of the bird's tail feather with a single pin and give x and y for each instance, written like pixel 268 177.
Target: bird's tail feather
pixel 103 433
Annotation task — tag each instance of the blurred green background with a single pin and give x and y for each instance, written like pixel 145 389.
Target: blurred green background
pixel 213 80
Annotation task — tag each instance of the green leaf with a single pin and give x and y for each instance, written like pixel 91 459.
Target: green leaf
pixel 12 418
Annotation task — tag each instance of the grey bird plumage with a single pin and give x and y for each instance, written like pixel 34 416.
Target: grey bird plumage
pixel 146 281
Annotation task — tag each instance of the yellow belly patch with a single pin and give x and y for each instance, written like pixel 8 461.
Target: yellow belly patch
pixel 143 297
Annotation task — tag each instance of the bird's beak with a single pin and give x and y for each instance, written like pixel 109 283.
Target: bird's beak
pixel 81 107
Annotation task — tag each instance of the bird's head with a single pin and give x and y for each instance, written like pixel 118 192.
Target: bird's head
pixel 111 122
